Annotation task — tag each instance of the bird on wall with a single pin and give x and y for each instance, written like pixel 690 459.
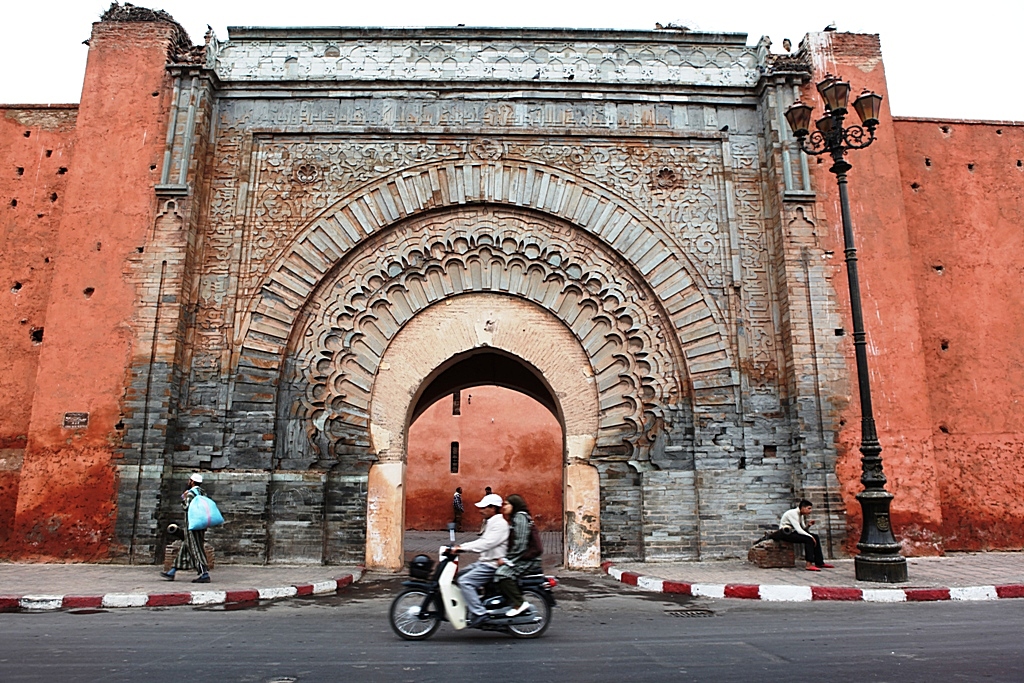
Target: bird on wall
pixel 786 45
pixel 831 27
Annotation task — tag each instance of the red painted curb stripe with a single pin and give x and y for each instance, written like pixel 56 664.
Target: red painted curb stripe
pixel 737 590
pixel 605 566
pixel 926 594
pixel 10 602
pixel 1012 590
pixel 304 589
pixel 676 587
pixel 834 593
pixel 79 601
pixel 344 581
pixel 168 599
pixel 242 596
pixel 630 578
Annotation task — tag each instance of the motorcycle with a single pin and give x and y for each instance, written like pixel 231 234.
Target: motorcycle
pixel 432 595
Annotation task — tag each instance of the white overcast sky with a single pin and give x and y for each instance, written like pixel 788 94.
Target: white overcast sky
pixel 942 59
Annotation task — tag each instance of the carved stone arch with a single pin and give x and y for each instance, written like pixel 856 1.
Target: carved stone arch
pixel 336 348
pixel 677 286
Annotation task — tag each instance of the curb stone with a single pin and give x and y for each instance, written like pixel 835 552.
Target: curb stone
pixel 35 603
pixel 788 593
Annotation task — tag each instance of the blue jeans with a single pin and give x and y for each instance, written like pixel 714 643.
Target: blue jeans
pixel 476 575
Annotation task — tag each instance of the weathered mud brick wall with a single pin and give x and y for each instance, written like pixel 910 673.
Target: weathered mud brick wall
pixel 963 188
pixel 67 498
pixel 37 146
pixel 891 308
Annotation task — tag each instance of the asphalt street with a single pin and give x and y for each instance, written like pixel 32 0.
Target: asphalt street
pixel 600 631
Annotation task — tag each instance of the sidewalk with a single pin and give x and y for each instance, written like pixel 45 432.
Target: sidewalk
pixel 57 586
pixel 957 576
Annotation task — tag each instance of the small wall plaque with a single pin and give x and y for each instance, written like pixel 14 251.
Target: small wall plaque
pixel 76 420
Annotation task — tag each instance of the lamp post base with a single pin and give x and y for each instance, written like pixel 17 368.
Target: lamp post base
pixel 879 559
pixel 881 569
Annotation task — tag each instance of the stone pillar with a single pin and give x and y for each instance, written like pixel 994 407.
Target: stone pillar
pixel 887 268
pixel 385 512
pixel 582 545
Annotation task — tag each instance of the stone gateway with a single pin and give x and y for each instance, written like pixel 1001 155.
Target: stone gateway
pixel 296 240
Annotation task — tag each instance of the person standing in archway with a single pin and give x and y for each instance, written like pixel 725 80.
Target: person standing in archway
pixel 483 522
pixel 457 508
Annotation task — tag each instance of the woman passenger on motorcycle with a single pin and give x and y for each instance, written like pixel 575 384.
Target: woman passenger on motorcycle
pixel 513 565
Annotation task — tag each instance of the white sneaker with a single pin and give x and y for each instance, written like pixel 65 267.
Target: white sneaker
pixel 516 611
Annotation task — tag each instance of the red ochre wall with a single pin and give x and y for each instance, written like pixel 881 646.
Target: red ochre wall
pixel 899 378
pixel 965 210
pixel 67 490
pixel 36 144
pixel 506 441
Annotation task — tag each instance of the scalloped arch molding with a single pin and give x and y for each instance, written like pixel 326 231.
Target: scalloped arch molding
pixel 273 311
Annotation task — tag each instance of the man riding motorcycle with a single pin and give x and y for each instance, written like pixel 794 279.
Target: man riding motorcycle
pixel 492 546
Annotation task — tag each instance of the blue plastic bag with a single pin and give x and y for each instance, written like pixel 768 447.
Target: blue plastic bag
pixel 203 513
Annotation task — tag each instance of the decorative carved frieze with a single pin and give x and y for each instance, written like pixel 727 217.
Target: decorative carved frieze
pixel 396 56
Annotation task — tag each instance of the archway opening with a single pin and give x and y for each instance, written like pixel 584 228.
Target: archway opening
pixel 484 420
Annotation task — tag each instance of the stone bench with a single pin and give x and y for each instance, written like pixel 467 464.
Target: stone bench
pixel 770 554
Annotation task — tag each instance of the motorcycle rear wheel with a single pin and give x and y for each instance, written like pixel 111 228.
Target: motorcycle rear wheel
pixel 405 619
pixel 538 606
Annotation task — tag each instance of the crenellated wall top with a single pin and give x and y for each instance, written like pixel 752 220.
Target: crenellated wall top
pixel 546 56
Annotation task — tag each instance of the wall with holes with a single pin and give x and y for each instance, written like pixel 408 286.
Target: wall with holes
pixel 99 211
pixel 963 187
pixel 36 146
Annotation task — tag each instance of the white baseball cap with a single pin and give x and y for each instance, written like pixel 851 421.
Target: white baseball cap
pixel 490 499
pixel 197 478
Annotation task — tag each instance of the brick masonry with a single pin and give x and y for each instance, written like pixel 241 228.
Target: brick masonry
pixel 646 229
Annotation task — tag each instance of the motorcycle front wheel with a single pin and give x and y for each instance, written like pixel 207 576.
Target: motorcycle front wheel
pixel 540 608
pixel 405 616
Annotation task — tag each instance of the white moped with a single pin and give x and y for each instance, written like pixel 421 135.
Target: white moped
pixel 433 595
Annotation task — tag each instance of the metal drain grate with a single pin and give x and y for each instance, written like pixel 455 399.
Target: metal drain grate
pixel 691 613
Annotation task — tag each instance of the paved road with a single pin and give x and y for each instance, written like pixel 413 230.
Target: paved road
pixel 599 633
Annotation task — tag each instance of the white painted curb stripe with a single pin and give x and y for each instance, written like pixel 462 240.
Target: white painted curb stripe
pixel 649 583
pixel 782 593
pixel 785 593
pixel 325 587
pixel 124 600
pixel 883 595
pixel 41 601
pixel 708 590
pixel 974 593
pixel 208 597
pixel 280 592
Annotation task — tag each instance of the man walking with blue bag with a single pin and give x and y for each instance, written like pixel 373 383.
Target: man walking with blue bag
pixel 197 520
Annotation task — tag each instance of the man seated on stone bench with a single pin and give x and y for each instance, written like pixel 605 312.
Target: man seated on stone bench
pixel 794 528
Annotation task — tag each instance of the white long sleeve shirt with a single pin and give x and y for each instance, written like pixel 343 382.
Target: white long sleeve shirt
pixel 793 520
pixel 493 543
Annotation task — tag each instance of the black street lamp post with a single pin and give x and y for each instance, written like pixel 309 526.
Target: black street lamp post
pixel 879 559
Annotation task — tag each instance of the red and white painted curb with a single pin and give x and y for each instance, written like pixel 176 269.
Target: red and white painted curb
pixel 207 597
pixel 771 593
